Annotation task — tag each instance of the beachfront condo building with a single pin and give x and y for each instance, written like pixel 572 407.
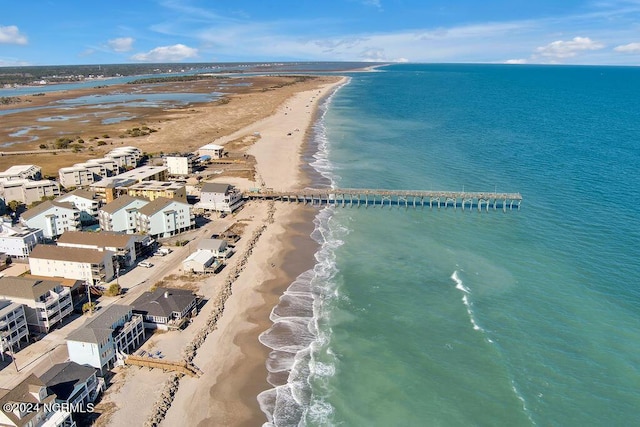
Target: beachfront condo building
pixel 98 170
pixel 219 197
pixel 89 265
pixel 164 218
pixel 120 214
pixel 53 218
pixel 104 338
pixel 46 302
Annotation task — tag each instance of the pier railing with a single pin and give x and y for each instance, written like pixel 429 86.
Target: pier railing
pixel 356 197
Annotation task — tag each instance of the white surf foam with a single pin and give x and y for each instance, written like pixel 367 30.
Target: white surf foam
pixel 465 298
pixel 298 333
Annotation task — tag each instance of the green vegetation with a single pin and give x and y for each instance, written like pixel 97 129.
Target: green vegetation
pixel 141 131
pixel 113 290
pixel 89 307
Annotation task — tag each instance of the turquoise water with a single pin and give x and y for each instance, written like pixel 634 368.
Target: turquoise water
pixel 444 317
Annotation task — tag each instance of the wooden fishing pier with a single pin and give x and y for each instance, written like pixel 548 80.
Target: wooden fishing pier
pixel 357 197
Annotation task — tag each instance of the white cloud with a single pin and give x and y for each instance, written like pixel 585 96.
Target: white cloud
pixel 11 35
pixel 175 53
pixel 122 44
pixel 516 61
pixel 561 49
pixel 628 48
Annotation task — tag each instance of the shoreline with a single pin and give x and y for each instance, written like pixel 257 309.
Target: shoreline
pixel 285 250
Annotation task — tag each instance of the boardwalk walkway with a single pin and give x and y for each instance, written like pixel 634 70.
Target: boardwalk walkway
pixel 482 201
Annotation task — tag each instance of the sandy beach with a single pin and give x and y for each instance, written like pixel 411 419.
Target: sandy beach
pixel 275 248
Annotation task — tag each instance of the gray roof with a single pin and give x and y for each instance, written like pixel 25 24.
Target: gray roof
pixel 85 194
pixel 216 187
pixel 121 203
pixel 67 253
pixel 23 392
pixel 157 304
pixel 62 378
pixel 21 287
pixel 211 244
pixel 100 327
pixel 156 206
pixel 100 239
pixel 46 205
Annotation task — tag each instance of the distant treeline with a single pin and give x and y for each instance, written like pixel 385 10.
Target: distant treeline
pixel 71 73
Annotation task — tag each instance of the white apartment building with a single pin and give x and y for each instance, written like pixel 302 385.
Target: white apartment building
pixel 75 176
pixel 87 202
pixel 114 329
pixel 123 159
pixel 17 240
pixel 110 165
pixel 53 218
pixel 13 326
pixel 181 165
pixel 46 302
pixel 89 265
pixel 219 197
pixel 98 170
pixel 18 172
pixel 122 245
pixel 164 217
pixel 120 215
pixel 26 191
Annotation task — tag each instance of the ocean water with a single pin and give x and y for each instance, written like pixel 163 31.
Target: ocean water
pixel 427 317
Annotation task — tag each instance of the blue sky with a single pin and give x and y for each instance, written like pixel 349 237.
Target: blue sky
pixel 45 32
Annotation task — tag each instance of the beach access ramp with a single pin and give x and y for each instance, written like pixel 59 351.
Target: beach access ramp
pixel 165 365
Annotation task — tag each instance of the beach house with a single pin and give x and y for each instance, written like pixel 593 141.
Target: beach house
pixel 74 385
pixel 109 333
pixel 212 150
pixel 165 308
pixel 199 262
pixel 218 247
pixel 46 302
pixel 30 404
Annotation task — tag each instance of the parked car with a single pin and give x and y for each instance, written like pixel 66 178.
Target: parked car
pixel 145 264
pixel 158 253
